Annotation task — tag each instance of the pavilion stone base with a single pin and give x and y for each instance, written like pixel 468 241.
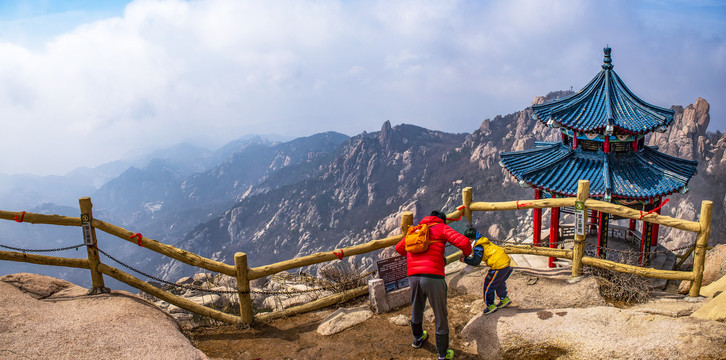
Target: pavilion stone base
pixel 382 301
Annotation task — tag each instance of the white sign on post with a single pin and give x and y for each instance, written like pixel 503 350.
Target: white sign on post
pixel 86 226
pixel 579 218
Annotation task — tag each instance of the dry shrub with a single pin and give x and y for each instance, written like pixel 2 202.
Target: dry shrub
pixel 621 288
pixel 341 276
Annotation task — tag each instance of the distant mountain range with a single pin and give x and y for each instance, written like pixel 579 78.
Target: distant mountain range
pixel 278 200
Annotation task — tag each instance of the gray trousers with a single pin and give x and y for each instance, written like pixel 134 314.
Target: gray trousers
pixel 434 290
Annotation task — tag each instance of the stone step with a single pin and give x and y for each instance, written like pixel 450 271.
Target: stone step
pixel 520 260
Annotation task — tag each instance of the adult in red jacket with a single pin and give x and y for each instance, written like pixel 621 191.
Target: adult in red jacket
pixel 426 278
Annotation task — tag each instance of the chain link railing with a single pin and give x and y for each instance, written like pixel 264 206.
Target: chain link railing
pixel 331 286
pixel 42 250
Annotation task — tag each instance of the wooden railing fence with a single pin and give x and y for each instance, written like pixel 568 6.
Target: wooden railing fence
pixel 245 274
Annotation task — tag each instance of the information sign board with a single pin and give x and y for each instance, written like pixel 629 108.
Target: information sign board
pixel 579 218
pixel 86 226
pixel 393 272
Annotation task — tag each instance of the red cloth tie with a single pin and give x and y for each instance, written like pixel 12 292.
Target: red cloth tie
pixel 340 256
pixel 654 210
pixel 22 216
pixel 460 215
pixel 138 236
pixel 522 204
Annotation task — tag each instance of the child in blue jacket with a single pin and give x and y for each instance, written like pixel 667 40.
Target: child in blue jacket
pixel 495 282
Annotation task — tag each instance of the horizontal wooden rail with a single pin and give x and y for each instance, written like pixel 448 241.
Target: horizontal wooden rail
pixel 168 250
pixel 44 260
pixel 41 218
pixel 168 297
pixel 315 305
pixel 536 250
pixel 521 205
pixel 591 204
pixel 655 218
pixel 636 270
pixel 262 271
pixel 587 260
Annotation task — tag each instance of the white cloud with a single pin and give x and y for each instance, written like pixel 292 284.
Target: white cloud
pixel 163 71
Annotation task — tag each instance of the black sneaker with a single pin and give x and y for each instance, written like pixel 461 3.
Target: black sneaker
pixel 418 342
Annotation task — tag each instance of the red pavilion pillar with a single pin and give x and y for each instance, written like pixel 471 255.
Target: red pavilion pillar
pixel 537 227
pixel 654 238
pixel 593 221
pixel 602 234
pixel 645 243
pixel 554 230
pixel 631 228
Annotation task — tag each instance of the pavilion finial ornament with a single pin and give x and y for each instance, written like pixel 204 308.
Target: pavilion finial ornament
pixel 607 61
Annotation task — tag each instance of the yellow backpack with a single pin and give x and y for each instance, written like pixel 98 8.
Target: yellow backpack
pixel 418 238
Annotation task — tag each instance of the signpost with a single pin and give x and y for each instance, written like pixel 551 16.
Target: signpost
pixel 86 225
pixel 579 218
pixel 393 272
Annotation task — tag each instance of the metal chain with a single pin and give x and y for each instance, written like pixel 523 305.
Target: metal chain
pixel 182 286
pixel 638 252
pixel 42 250
pixel 332 286
pixel 266 292
pixel 556 243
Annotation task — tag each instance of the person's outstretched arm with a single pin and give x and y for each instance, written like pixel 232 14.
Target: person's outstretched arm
pixel 476 256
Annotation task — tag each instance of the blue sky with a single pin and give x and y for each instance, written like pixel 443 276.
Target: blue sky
pixel 87 82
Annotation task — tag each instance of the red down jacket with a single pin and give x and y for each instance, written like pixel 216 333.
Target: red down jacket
pixel 432 261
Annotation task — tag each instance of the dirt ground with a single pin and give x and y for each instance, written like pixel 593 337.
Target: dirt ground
pixel 297 338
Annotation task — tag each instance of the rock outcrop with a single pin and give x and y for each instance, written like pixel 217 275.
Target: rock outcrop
pixel 594 333
pixel 47 318
pixel 556 316
pixel 714 268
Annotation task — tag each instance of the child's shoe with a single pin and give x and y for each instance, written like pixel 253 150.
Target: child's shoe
pixel 449 355
pixel 490 309
pixel 418 342
pixel 504 302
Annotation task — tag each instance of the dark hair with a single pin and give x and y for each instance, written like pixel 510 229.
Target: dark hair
pixel 439 215
pixel 470 232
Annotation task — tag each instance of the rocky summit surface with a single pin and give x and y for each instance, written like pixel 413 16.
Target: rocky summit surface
pixel 47 318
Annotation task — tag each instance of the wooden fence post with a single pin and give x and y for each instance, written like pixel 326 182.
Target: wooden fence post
pixel 98 285
pixel 243 285
pixel 699 257
pixel 406 221
pixel 583 192
pixel 466 199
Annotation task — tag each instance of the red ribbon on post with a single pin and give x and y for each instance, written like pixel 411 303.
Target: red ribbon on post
pixel 460 215
pixel 138 236
pixel 22 216
pixel 522 204
pixel 340 256
pixel 654 210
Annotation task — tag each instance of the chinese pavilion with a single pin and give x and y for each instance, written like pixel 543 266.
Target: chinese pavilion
pixel 603 128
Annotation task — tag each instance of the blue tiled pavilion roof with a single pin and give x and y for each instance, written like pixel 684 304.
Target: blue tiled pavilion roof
pixel 605 97
pixel 556 167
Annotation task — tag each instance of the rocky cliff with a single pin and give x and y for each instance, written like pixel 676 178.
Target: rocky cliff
pixel 358 195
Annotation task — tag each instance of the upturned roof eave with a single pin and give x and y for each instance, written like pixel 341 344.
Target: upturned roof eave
pixel 678 180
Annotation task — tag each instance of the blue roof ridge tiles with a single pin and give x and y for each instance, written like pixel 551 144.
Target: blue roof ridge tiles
pixel 605 97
